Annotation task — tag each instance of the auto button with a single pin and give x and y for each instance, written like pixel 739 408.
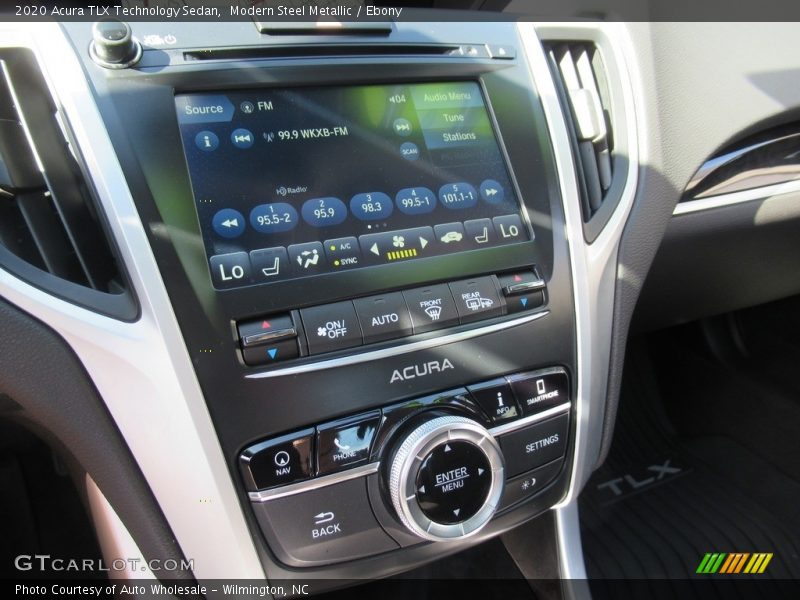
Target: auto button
pixel 383 317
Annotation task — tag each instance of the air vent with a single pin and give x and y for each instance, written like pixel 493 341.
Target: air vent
pixel 50 232
pixel 582 85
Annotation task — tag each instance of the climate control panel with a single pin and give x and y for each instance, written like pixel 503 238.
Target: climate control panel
pixel 429 469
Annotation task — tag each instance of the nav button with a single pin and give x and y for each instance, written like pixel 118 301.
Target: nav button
pixel 431 308
pixel 277 462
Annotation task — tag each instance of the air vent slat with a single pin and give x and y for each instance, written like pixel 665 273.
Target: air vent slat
pixel 580 78
pixel 47 216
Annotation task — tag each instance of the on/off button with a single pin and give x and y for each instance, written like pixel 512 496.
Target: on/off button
pixel 331 327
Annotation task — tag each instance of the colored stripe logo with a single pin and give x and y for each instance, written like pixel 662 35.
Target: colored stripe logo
pixel 734 563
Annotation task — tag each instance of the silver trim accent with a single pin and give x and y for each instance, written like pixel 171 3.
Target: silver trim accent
pixel 314 484
pixel 594 267
pixel 142 370
pixel 115 540
pixel 524 422
pixel 521 288
pixel 759 193
pixel 398 350
pixel 259 338
pixel 421 442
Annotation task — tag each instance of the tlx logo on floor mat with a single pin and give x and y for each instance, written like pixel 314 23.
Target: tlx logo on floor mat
pixel 734 563
pixel 635 482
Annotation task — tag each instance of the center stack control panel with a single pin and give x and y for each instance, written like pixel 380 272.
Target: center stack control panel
pixel 435 468
pixel 378 412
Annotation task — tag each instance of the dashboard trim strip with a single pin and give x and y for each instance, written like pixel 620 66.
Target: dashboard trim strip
pixel 314 484
pixel 758 193
pixel 398 350
pixel 520 423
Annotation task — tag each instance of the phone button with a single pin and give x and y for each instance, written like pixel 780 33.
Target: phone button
pixel 347 443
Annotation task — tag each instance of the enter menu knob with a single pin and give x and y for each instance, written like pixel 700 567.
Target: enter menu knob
pixel 446 478
pixel 113 45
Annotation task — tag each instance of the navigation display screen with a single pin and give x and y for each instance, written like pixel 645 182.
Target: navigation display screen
pixel 292 183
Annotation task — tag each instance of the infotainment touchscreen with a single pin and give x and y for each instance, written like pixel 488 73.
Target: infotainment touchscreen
pixel 298 182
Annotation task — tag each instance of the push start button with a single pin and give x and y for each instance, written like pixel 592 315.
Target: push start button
pixel 453 482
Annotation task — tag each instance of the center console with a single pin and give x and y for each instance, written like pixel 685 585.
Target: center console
pixel 363 241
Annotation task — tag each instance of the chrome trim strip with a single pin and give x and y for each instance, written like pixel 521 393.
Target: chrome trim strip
pixel 527 286
pixel 759 193
pixel 594 267
pixel 520 423
pixel 398 350
pixel 314 484
pixel 142 370
pixel 260 338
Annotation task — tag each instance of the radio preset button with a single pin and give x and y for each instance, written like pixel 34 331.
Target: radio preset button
pixel 496 399
pixel 431 307
pixel 331 327
pixel 278 462
pixel 343 445
pixel 477 299
pixel 383 317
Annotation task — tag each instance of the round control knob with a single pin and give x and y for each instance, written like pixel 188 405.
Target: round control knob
pixel 446 478
pixel 113 45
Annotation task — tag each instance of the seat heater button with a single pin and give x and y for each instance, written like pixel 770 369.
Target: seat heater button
pixel 322 526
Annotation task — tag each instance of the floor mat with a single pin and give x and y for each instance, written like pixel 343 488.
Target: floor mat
pixel 663 500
